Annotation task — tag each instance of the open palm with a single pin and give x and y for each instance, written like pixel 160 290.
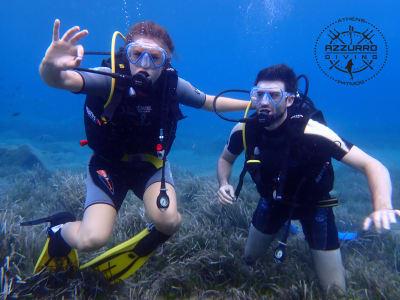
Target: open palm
pixel 64 53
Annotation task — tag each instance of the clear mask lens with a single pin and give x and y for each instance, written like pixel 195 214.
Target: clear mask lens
pixel 146 57
pixel 274 95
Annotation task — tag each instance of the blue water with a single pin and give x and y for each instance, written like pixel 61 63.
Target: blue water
pixel 220 44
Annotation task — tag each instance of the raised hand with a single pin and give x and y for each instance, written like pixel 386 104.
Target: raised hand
pixel 63 54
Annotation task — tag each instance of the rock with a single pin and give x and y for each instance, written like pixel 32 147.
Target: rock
pixel 19 158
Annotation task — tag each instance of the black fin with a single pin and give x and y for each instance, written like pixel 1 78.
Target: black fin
pixel 56 219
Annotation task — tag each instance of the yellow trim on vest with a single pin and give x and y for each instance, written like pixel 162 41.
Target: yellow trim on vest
pixel 114 37
pixel 328 202
pixel 253 161
pixel 154 160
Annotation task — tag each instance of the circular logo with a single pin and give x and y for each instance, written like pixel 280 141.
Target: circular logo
pixel 351 51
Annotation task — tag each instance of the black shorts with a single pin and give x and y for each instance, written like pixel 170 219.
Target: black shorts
pixel 318 223
pixel 109 183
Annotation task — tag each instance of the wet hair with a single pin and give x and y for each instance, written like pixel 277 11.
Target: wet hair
pixel 279 73
pixel 151 30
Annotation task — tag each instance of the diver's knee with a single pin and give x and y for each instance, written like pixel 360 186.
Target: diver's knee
pixel 91 241
pixel 330 270
pixel 170 224
pixel 256 245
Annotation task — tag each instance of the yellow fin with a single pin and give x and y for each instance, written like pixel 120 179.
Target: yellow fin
pixel 56 263
pixel 121 261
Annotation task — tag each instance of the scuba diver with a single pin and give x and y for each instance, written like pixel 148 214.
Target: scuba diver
pixel 288 151
pixel 131 114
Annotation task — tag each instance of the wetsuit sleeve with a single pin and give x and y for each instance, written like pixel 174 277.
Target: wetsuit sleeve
pixel 235 142
pixel 189 95
pixel 326 140
pixel 96 84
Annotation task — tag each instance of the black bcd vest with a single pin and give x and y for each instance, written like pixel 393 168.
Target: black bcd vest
pixel 289 169
pixel 135 121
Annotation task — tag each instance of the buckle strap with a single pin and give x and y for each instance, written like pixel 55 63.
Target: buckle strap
pixel 328 202
pixel 154 160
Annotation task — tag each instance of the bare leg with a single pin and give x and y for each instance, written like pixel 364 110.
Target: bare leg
pixel 167 221
pixel 329 268
pixel 93 231
pixel 256 244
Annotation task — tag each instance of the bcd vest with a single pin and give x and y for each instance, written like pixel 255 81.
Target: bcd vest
pixel 134 121
pixel 289 170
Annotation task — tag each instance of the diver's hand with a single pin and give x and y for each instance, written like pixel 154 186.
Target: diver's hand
pixel 381 218
pixel 63 54
pixel 226 194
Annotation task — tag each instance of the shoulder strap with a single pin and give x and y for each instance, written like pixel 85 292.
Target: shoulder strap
pixel 116 90
pixel 173 103
pixel 248 138
pixel 304 106
pixel 244 127
pixel 170 105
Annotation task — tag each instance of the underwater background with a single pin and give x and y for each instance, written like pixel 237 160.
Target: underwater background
pixel 220 44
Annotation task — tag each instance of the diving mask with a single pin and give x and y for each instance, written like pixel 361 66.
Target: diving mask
pixel 274 95
pixel 146 57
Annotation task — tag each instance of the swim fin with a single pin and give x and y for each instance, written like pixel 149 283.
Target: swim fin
pixel 56 254
pixel 56 263
pixel 125 259
pixel 347 236
pixel 343 236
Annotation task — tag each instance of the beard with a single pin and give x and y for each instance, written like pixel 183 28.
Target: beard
pixel 265 119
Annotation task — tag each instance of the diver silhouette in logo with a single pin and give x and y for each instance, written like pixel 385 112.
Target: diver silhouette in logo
pixel 348 67
pixel 347 46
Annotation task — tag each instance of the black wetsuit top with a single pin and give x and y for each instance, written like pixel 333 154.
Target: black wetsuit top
pixel 305 158
pixel 135 127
